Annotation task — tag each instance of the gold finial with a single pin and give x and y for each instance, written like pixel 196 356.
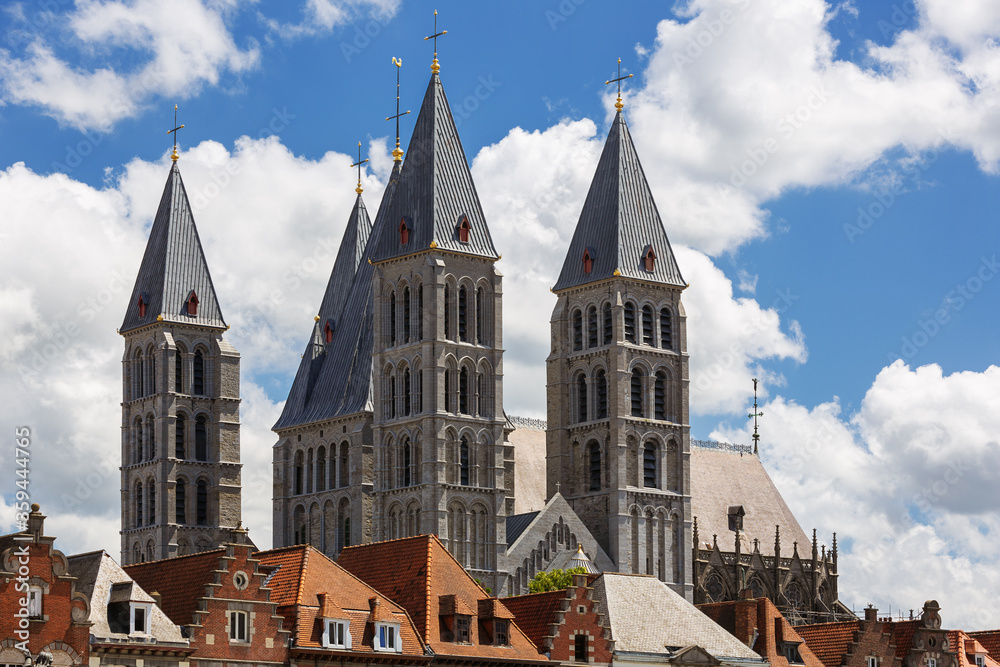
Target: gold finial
pixel 358 164
pixel 618 104
pixel 397 154
pixel 316 319
pixel 434 244
pixel 617 272
pixel 435 67
pixel 174 156
pixel 159 318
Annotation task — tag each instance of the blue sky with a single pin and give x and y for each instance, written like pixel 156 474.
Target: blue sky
pixel 826 172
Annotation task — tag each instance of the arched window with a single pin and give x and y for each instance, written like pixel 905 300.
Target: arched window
pixel 666 330
pixel 178 371
pixel 447 313
pixel 592 327
pixel 199 374
pixel 595 466
pixel 463 299
pixel 463 391
pixel 344 527
pixel 577 330
pixel 328 332
pixel 179 437
pixel 463 459
pixel 180 502
pixel 637 398
pixel 138 440
pixel 581 398
pixel 406 314
pixel 649 456
pixel 149 550
pixel 138 505
pixel 136 553
pixel 480 316
pixel 392 397
pixel 310 470
pixel 407 388
pixel 588 261
pixel 344 469
pixel 482 395
pixel 407 463
pixel 140 384
pixel 321 469
pixel 298 473
pixel 152 371
pixel 647 325
pixel 392 318
pixel 602 394
pixel 388 394
pixel 463 230
pixel 202 503
pixel 152 503
pixel 660 396
pixel 200 439
pixel 630 322
pixel 609 331
pixel 418 389
pixel 420 312
pixel 404 232
pixel 151 430
pixel 649 259
pixel 448 401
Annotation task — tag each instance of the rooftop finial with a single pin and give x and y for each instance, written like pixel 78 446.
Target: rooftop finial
pixel 174 155
pixel 435 67
pixel 397 154
pixel 618 104
pixel 358 164
pixel 756 413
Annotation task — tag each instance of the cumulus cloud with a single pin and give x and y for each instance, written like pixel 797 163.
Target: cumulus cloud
pixel 179 48
pixel 322 16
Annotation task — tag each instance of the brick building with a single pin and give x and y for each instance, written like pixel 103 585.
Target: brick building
pixel 54 614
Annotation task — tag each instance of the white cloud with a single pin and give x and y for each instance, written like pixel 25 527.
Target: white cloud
pixel 322 16
pixel 181 46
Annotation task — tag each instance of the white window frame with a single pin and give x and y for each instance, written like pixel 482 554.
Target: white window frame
pixel 330 627
pixel 146 608
pixel 233 615
pixel 932 662
pixel 872 661
pixel 980 661
pixel 35 607
pixel 387 639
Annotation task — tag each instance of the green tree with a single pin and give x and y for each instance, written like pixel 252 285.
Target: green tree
pixel 554 580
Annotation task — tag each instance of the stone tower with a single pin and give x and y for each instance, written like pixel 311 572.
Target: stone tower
pixel 180 484
pixel 618 443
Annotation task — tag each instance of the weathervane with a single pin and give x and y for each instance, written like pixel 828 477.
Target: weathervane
pixel 753 415
pixel 174 155
pixel 618 104
pixel 435 67
pixel 358 164
pixel 397 154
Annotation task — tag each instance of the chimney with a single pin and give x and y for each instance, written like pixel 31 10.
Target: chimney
pixel 871 614
pixel 157 598
pixel 36 522
pixel 745 613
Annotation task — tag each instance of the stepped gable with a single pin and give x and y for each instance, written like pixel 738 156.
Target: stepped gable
pixel 173 268
pixel 619 222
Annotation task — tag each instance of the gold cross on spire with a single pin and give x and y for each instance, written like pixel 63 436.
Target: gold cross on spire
pixel 358 164
pixel 618 104
pixel 397 154
pixel 435 67
pixel 174 155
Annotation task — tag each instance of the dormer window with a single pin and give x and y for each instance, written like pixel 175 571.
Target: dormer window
pixel 649 257
pixel 142 306
pixel 588 261
pixel 980 661
pixel 501 632
pixel 140 618
pixel 336 633
pixel 462 629
pixel 463 230
pixel 404 232
pixel 328 331
pixel 192 304
pixel 387 638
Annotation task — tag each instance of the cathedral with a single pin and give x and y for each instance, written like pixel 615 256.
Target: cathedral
pixel 395 426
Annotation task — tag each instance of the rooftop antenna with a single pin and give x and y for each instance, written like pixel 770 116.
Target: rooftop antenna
pixel 618 104
pixel 397 154
pixel 174 156
pixel 435 67
pixel 754 415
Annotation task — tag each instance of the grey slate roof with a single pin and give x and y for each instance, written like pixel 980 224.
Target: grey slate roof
pixel 516 523
pixel 619 221
pixel 335 378
pixel 435 189
pixel 172 266
pixel 352 248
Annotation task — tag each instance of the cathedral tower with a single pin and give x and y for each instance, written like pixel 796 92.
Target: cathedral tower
pixel 180 472
pixel 618 435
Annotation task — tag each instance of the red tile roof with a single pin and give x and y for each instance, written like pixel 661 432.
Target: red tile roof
pixel 829 641
pixel 902 636
pixel 180 581
pixel 990 639
pixel 536 613
pixel 414 572
pixel 304 573
pixel 772 627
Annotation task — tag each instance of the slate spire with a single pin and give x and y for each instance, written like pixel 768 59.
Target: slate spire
pixel 619 229
pixel 352 248
pixel 173 273
pixel 435 193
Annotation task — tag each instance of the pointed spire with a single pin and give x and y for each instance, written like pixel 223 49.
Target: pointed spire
pixel 173 283
pixel 694 533
pixel 349 257
pixel 777 542
pixel 435 196
pixel 619 229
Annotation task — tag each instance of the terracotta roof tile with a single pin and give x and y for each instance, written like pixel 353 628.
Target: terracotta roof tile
pixel 536 613
pixel 773 629
pixel 990 639
pixel 902 636
pixel 180 581
pixel 829 641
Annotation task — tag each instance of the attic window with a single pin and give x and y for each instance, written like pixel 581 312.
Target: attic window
pixel 650 259
pixel 336 634
pixel 142 306
pixel 463 230
pixel 404 232
pixel 387 638
pixel 328 331
pixel 588 261
pixel 192 304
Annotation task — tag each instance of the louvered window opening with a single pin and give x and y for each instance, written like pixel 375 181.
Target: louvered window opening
pixel 463 458
pixel 577 330
pixel 666 333
pixel 660 396
pixel 608 325
pixel 637 393
pixel 649 466
pixel 178 372
pixel 407 478
pixel 480 316
pixel 420 312
pixel 199 374
pixel 595 467
pixel 179 437
pixel 180 502
pixel 630 322
pixel 647 325
pixel 463 391
pixel 200 439
pixel 392 319
pixel 581 397
pixel 406 392
pixel 447 312
pixel 592 340
pixel 462 314
pixel 602 395
pixel 202 504
pixel 392 397
pixel 406 315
